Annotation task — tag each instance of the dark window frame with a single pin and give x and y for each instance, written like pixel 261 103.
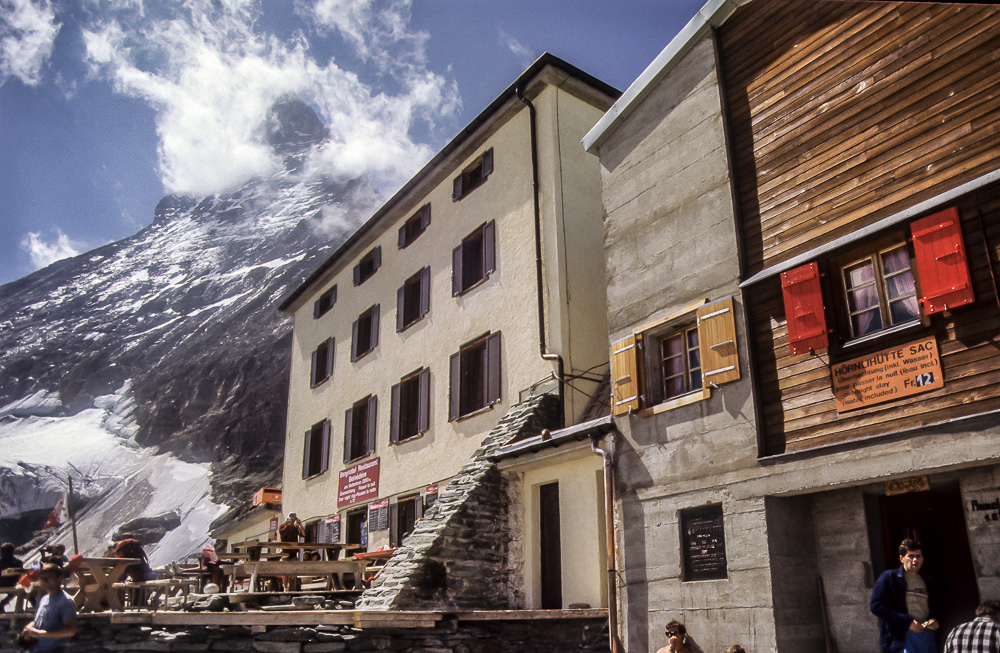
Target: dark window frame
pixel 364 337
pixel 321 365
pixel 410 408
pixel 474 260
pixel 475 377
pixel 360 421
pixel 473 176
pixel 655 362
pixel 316 450
pixel 368 265
pixel 413 299
pixel 403 517
pixel 325 302
pixel 414 227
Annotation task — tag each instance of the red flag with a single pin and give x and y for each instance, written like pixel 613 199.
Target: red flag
pixel 56 516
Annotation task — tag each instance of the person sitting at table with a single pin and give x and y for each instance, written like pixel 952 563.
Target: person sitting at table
pixel 8 561
pixel 209 563
pixel 129 547
pixel 55 618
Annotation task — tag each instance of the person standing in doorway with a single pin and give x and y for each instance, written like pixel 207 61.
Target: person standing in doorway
pixel 902 603
pixel 981 635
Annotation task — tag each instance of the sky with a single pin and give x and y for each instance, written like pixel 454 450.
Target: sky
pixel 108 105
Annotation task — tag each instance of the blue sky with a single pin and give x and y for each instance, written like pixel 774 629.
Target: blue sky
pixel 108 105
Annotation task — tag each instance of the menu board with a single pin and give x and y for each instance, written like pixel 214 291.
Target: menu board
pixel 328 529
pixel 704 543
pixel 378 516
pixel 430 496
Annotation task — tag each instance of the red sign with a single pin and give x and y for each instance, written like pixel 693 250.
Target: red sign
pixel 358 483
pixel 274 525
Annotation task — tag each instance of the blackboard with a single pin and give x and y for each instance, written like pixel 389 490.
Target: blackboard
pixel 704 543
pixel 378 516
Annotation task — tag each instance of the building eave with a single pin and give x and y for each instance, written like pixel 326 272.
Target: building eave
pixel 578 432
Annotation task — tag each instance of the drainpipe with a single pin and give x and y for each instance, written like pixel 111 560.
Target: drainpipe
pixel 609 528
pixel 542 347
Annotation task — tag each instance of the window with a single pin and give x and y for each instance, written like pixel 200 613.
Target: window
pixel 365 333
pixel 880 287
pixel 673 361
pixel 357 528
pixel 359 428
pixel 473 176
pixel 879 290
pixel 325 302
pixel 410 406
pixel 413 299
pixel 367 266
pixel 403 517
pixel 322 363
pixel 415 226
pixel 316 452
pixel 474 259
pixel 475 376
pixel 703 543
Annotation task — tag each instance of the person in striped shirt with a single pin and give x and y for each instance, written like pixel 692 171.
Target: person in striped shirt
pixel 981 635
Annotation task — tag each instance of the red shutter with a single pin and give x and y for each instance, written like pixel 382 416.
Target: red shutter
pixel 942 266
pixel 454 386
pixel 394 415
pixel 423 400
pixel 804 309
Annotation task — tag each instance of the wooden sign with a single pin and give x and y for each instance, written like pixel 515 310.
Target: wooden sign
pixel 904 485
pixel 902 371
pixel 358 483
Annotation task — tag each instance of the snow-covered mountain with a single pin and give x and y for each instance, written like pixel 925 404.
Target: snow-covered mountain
pixel 153 370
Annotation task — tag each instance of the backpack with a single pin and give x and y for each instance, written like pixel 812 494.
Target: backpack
pixel 129 549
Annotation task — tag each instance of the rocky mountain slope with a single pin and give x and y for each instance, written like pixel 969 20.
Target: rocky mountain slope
pixel 166 345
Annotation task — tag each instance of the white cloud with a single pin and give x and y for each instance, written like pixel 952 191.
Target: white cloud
pixel 28 31
pixel 523 54
pixel 211 75
pixel 44 253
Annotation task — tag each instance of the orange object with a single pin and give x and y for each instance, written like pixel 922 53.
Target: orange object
pixel 266 495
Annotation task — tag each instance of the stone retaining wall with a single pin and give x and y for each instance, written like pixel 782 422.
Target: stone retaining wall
pixel 524 636
pixel 457 556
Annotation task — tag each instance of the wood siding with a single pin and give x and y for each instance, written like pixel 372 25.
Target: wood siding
pixel 842 114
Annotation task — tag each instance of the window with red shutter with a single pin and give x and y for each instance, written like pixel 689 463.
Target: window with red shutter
pixel 941 262
pixel 804 310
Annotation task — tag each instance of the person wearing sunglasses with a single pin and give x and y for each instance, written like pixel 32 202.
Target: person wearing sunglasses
pixel 678 641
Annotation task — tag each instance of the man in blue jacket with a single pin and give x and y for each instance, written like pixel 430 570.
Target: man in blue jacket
pixel 902 604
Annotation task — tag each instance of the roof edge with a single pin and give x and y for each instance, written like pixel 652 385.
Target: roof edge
pixel 713 14
pixel 546 59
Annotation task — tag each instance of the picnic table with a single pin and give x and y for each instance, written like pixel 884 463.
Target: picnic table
pixel 331 571
pixel 16 590
pixel 96 577
pixel 255 549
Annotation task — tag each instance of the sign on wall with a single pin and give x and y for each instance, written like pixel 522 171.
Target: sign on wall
pixel 704 543
pixel 902 371
pixel 989 509
pixel 378 516
pixel 273 527
pixel 905 485
pixel 358 483
pixel 329 529
pixel 430 496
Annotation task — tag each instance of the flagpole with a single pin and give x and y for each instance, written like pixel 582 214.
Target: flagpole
pixel 72 514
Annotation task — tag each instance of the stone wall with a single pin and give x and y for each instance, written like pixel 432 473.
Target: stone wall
pixel 98 635
pixel 456 558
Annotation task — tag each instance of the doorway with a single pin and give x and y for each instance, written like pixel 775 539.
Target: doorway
pixel 936 518
pixel 551 562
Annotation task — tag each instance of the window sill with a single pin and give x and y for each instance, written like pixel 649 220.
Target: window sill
pixel 316 475
pixel 319 383
pixel 354 461
pixel 871 337
pixel 409 324
pixel 409 438
pixel 362 355
pixel 466 291
pixel 677 402
pixel 477 411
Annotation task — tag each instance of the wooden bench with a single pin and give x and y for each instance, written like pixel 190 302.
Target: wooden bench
pixel 153 592
pixel 332 571
pixel 18 594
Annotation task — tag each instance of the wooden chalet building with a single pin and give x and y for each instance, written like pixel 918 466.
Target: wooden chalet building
pixel 830 171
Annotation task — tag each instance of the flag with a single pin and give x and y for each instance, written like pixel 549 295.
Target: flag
pixel 58 515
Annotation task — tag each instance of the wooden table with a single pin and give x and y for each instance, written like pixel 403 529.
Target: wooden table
pixel 97 577
pixel 255 548
pixel 332 570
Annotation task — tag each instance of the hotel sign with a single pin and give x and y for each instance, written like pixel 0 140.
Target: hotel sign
pixel 902 371
pixel 358 483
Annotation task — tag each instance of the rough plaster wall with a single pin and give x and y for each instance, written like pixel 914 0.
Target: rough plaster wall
pixel 456 557
pixel 983 486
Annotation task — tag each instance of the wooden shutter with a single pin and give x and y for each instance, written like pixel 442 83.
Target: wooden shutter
pixel 454 386
pixel 324 462
pixel 357 274
pixel 314 369
pixel 376 258
pixel 305 454
pixel 316 308
pixel 394 414
pixel 394 524
pixel 400 299
pixel 354 341
pixel 804 311
pixel 493 369
pixel 425 290
pixel 717 342
pixel 423 400
pixel 487 162
pixel 456 271
pixel 489 248
pixel 942 265
pixel 425 216
pixel 348 428
pixel 375 320
pixel 372 417
pixel 456 189
pixel 329 356
pixel 625 376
